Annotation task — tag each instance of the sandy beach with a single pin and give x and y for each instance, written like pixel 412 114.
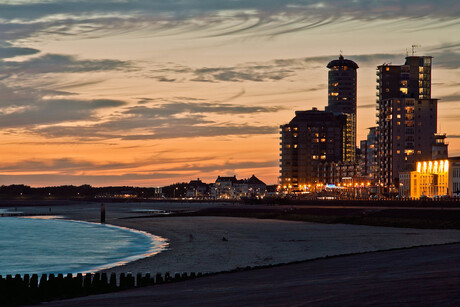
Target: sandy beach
pixel 196 243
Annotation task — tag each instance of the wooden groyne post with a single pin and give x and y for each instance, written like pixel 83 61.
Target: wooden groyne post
pixel 102 213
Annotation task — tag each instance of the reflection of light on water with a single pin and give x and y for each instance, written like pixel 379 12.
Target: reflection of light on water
pixel 154 211
pixel 9 211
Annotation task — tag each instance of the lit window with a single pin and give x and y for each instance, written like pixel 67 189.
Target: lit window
pixel 398 116
pixel 387 68
pixel 288 146
pixel 295 128
pixel 334 94
pixel 398 123
pixel 387 90
pixel 295 145
pixel 315 157
pixel 323 140
pixel 323 157
pixel 398 137
pixel 335 84
pixel 403 90
pixel 294 135
pixel 409 152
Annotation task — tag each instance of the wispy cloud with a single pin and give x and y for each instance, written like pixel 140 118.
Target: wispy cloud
pixel 58 63
pixel 45 112
pixel 264 17
pixel 169 120
pixel 7 50
pixel 450 98
pixel 31 10
pixel 72 171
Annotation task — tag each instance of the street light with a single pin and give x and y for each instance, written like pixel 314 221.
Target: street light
pixel 175 191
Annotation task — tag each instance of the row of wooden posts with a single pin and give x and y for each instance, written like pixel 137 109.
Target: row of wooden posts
pixel 28 289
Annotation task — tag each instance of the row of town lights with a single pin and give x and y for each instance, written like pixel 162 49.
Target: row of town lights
pixel 362 184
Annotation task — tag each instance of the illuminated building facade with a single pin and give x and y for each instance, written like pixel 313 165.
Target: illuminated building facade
pixel 311 140
pixel 232 188
pixel 407 118
pixel 430 179
pixel 342 88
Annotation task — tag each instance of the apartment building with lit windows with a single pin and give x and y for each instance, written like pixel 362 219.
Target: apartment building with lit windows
pixel 342 99
pixel 311 140
pixel 407 118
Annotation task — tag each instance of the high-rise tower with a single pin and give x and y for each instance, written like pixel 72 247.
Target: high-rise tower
pixel 342 87
pixel 407 117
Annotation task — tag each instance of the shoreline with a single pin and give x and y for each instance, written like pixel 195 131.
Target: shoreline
pixel 196 243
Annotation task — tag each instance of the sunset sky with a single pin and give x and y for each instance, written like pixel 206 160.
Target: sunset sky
pixel 149 93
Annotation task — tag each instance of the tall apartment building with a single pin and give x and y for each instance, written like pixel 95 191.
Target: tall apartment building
pixel 310 140
pixel 342 88
pixel 368 163
pixel 407 117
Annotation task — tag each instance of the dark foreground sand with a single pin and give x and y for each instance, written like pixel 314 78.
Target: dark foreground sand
pixel 423 276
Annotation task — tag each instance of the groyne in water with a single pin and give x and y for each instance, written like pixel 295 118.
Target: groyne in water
pixel 21 290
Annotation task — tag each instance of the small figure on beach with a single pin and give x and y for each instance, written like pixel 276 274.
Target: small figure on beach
pixel 190 237
pixel 224 239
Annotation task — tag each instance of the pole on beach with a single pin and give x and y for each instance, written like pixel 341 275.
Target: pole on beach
pixel 102 213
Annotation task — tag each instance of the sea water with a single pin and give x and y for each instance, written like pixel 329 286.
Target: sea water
pixel 37 246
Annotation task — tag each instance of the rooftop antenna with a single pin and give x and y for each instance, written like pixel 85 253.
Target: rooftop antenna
pixel 414 48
